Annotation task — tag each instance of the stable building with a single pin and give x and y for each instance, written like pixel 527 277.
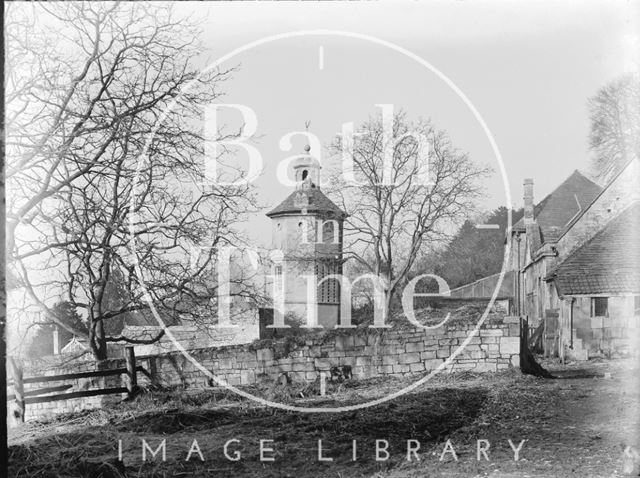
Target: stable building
pixel 574 266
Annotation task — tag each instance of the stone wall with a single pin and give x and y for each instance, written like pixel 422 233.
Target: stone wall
pixel 190 337
pixel 370 353
pixel 486 286
pixel 617 335
pixel 398 351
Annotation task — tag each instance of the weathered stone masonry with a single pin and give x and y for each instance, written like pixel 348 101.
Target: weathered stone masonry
pixel 370 353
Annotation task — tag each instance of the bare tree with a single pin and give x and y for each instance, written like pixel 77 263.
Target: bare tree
pixel 388 224
pixel 105 143
pixel 615 125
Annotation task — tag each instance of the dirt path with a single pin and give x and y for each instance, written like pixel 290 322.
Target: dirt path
pixel 573 426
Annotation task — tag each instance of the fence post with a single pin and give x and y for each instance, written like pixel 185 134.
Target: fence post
pixel 132 379
pixel 18 387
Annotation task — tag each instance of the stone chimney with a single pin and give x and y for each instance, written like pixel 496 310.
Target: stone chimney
pixel 528 201
pixel 56 341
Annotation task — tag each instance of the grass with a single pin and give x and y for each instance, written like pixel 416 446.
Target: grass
pixel 463 407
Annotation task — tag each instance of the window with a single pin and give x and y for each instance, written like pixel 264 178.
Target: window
pixel 307 230
pixel 278 236
pixel 329 290
pixel 305 173
pixel 278 271
pixel 599 307
pixel 329 232
pixel 636 305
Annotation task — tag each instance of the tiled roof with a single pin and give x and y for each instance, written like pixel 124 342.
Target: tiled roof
pixel 555 211
pixel 312 199
pixel 608 263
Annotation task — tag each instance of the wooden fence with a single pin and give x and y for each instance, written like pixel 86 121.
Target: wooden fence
pixel 42 395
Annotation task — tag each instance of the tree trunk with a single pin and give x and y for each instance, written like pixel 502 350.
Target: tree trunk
pixel 97 340
pixel 528 363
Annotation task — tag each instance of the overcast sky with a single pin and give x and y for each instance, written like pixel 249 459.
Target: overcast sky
pixel 527 67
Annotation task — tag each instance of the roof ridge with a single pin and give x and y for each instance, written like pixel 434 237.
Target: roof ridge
pixel 602 190
pixel 597 235
pixel 288 205
pixel 541 206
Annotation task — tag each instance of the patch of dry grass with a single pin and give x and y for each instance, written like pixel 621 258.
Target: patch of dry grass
pixel 86 444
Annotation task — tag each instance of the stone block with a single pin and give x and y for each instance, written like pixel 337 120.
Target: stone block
pixel 459 334
pixel 303 367
pixel 265 354
pixel 416 367
pixel 459 367
pixel 414 347
pixel 247 377
pixel 510 345
pixel 227 363
pixel 486 367
pixel 401 368
pixel 427 354
pixel 344 342
pixel 347 361
pixel 363 360
pixel 389 349
pixel 360 341
pixel 409 358
pixel 389 359
pixel 620 322
pixel 614 333
pixel 491 333
pixel 474 354
pixel 473 340
pixel 515 361
pixel 385 369
pixel 442 342
pixel 489 340
pixel 443 352
pixel 245 356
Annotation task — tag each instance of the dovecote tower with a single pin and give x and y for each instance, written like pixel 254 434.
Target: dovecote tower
pixel 308 229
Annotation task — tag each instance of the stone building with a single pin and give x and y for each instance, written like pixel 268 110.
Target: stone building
pixel 574 265
pixel 533 240
pixel 308 230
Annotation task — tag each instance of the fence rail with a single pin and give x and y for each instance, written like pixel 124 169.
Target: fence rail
pixel 23 398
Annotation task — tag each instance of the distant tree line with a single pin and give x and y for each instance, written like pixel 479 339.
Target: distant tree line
pixel 472 253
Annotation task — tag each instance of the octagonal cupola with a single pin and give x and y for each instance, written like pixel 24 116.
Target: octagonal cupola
pixel 306 170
